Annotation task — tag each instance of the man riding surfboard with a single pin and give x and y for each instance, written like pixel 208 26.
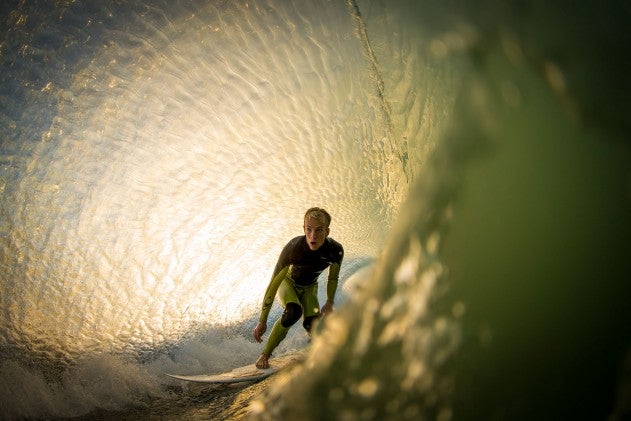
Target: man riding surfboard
pixel 295 279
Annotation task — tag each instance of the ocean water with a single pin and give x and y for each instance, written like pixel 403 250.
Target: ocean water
pixel 155 156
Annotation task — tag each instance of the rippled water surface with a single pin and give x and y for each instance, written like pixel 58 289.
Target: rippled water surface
pixel 155 157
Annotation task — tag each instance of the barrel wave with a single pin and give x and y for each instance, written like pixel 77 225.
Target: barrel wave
pixel 156 156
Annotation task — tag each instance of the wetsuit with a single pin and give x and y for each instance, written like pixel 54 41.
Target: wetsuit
pixel 295 278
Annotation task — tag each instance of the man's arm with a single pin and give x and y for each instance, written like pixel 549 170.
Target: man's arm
pixel 270 293
pixel 331 288
pixel 268 300
pixel 280 270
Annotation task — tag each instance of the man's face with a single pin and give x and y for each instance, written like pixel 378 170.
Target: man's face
pixel 316 232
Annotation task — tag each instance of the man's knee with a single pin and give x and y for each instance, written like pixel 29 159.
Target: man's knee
pixel 292 313
pixel 308 322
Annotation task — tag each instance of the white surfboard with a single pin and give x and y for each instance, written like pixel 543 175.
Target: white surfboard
pixel 246 373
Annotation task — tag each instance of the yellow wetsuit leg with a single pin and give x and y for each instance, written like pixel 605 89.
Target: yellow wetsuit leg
pixel 305 297
pixel 309 300
pixel 286 294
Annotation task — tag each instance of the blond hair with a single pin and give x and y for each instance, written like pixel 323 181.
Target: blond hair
pixel 319 214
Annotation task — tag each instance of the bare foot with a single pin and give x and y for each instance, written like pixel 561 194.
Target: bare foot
pixel 262 362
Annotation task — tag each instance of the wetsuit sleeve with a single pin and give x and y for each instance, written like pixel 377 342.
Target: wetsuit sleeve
pixel 284 259
pixel 331 284
pixel 270 293
pixel 280 270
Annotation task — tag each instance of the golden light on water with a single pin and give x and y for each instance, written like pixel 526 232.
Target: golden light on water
pixel 179 164
pixel 156 158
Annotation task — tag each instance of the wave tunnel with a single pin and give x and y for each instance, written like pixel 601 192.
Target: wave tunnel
pixel 155 156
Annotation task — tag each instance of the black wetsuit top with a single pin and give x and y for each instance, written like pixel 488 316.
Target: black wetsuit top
pixel 307 264
pixel 303 266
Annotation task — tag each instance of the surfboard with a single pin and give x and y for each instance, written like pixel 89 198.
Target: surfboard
pixel 246 373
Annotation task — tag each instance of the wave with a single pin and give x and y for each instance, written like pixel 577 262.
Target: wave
pixel 155 158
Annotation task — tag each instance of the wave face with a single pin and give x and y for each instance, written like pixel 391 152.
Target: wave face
pixel 156 156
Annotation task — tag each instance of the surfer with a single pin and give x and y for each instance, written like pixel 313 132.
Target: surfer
pixel 295 278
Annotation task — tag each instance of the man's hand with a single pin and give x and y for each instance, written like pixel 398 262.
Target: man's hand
pixel 258 332
pixel 326 309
